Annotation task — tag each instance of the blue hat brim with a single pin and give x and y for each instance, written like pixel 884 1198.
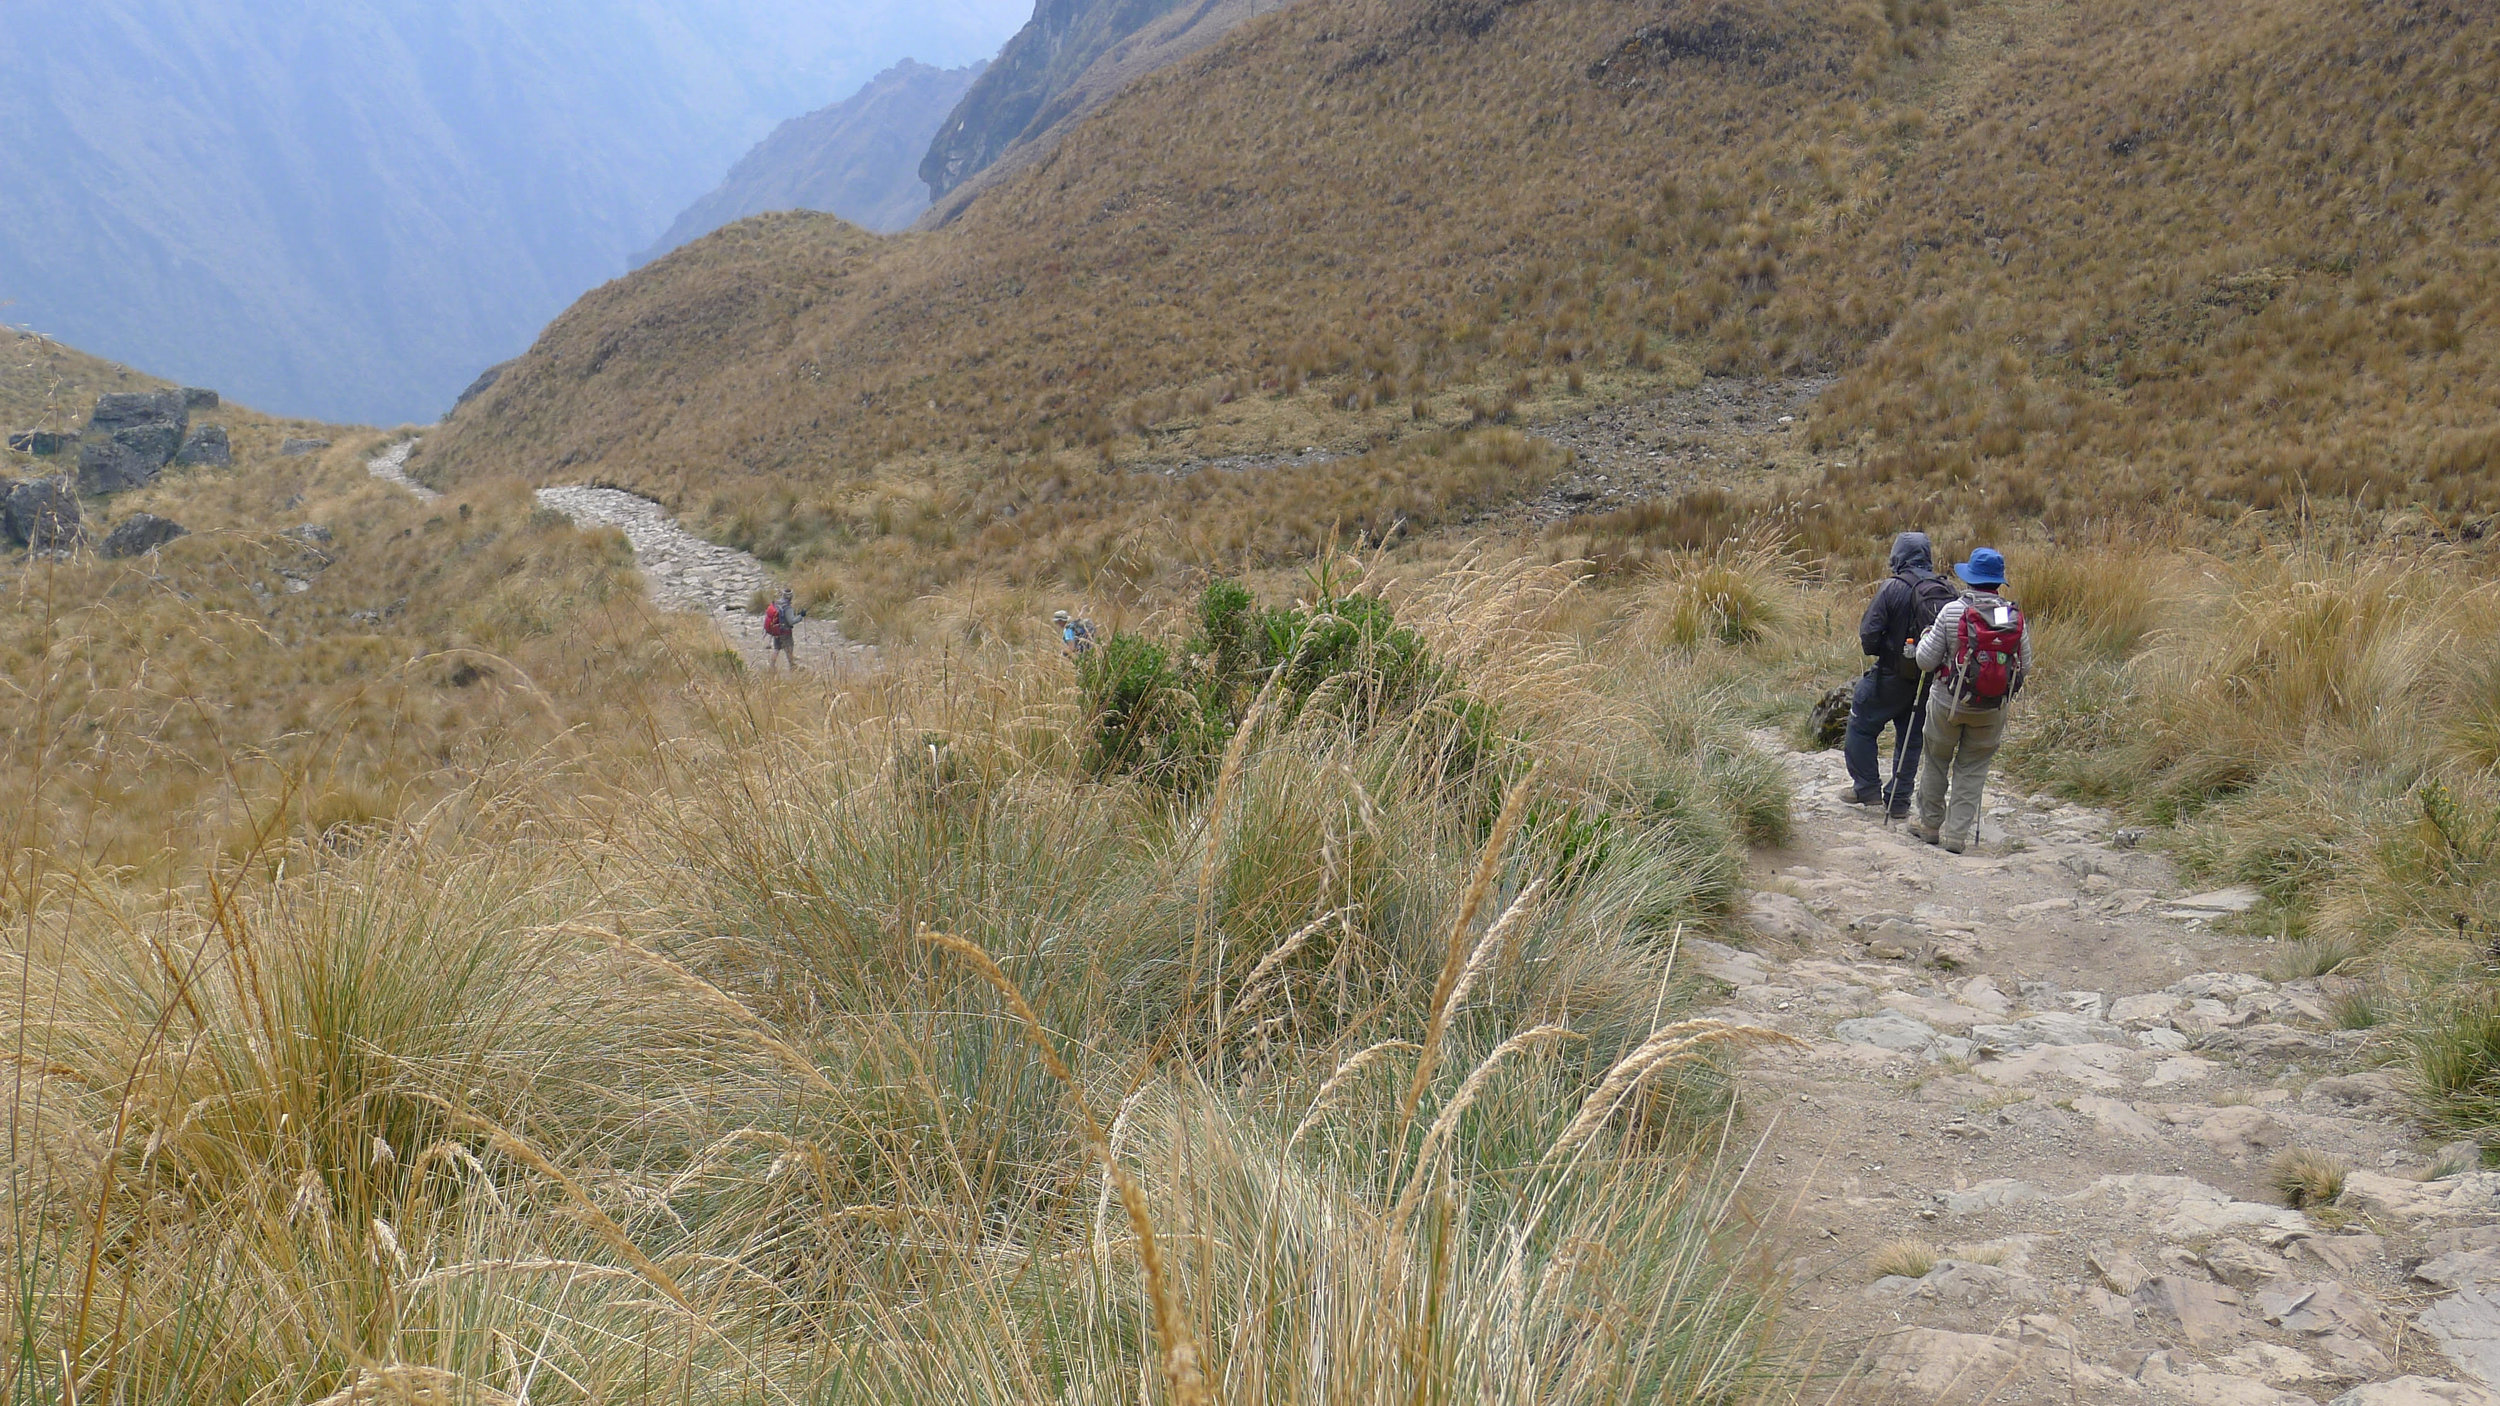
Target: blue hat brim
pixel 1980 576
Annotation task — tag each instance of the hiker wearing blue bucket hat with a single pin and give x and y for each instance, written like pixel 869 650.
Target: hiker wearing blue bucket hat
pixel 1980 652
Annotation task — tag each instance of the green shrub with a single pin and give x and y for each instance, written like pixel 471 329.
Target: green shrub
pixel 1144 718
pixel 1346 658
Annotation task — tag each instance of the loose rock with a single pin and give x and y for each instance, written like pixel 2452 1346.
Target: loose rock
pixel 2416 1391
pixel 42 514
pixel 206 445
pixel 141 532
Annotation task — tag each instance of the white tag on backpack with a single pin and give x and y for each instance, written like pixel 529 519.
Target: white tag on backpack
pixel 2004 616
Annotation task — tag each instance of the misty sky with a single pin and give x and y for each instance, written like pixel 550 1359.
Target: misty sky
pixel 347 208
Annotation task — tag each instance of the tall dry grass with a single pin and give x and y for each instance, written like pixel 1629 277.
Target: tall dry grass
pixel 656 1088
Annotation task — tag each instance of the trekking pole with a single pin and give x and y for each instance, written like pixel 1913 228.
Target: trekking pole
pixel 1918 720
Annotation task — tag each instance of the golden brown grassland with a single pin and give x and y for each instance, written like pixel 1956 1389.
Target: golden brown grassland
pixel 761 1040
pixel 2073 263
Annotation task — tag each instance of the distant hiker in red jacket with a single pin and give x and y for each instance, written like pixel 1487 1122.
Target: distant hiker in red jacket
pixel 781 626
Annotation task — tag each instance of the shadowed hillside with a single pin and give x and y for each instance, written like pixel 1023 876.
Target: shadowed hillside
pixel 858 158
pixel 1071 56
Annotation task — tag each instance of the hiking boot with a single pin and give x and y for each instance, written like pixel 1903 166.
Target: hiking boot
pixel 1951 846
pixel 1921 833
pixel 1850 795
pixel 1900 812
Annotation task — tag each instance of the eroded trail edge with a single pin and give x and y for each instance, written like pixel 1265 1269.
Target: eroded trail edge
pixel 2028 1155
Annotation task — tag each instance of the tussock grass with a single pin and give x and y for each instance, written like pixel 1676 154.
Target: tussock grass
pixel 2317 955
pixel 2457 1061
pixel 1909 1259
pixel 2306 1178
pixel 1731 595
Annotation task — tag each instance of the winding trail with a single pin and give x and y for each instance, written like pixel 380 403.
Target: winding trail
pixel 681 570
pixel 391 466
pixel 2040 1064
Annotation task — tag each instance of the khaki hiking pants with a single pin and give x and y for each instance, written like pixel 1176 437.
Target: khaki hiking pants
pixel 1960 745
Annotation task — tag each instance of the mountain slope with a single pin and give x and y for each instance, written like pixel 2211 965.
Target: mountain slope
pixel 997 133
pixel 350 208
pixel 2070 262
pixel 1070 55
pixel 857 159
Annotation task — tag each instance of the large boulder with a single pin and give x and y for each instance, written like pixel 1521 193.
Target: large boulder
pixel 208 445
pixel 130 439
pixel 141 532
pixel 42 513
pixel 126 458
pixel 123 410
pixel 296 446
pixel 196 398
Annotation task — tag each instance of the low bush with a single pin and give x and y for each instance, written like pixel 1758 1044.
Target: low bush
pixel 1344 657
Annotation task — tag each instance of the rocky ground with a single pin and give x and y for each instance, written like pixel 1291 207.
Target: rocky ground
pixel 2026 1154
pixel 683 571
pixel 1722 432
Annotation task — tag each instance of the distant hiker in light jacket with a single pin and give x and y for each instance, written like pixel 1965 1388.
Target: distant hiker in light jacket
pixel 1076 637
pixel 1887 695
pixel 1981 650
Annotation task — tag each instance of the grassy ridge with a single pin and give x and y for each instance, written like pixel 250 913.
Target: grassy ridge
pixel 2071 262
pixel 256 674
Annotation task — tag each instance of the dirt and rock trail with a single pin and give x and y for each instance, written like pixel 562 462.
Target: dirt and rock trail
pixel 2043 1068
pixel 683 571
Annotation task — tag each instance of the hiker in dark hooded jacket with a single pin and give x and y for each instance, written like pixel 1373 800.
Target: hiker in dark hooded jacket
pixel 1888 694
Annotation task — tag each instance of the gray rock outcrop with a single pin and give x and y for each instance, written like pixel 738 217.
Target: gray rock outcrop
pixel 141 532
pixel 130 438
pixel 199 398
pixel 42 513
pixel 125 410
pixel 208 445
pixel 293 448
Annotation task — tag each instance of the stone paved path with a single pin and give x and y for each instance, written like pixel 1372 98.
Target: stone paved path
pixel 2026 1157
pixel 683 571
pixel 688 573
pixel 391 466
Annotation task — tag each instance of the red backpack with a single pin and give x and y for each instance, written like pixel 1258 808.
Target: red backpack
pixel 773 623
pixel 1987 664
